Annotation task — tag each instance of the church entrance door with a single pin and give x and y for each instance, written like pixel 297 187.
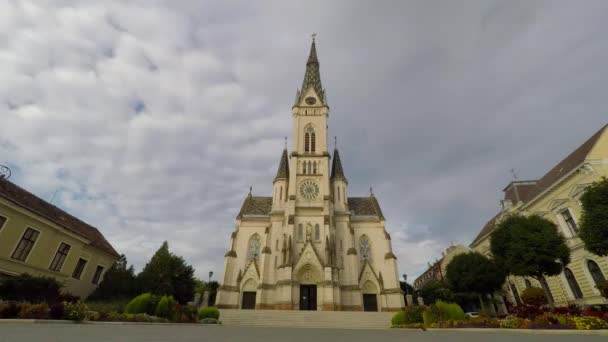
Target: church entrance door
pixel 370 302
pixel 248 300
pixel 308 297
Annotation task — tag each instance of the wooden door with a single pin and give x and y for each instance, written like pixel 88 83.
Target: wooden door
pixel 370 302
pixel 308 297
pixel 248 300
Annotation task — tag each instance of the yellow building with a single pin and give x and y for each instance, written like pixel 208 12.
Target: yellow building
pixel 556 197
pixel 38 238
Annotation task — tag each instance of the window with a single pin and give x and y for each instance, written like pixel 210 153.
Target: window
pixel 307 142
pixel 317 232
pixel 2 221
pixel 338 193
pixel 60 256
pixel 281 193
pixel 275 261
pixel 97 275
pixel 253 249
pixel 26 244
pixel 300 232
pixel 365 248
pixel 340 245
pixel 276 246
pixel 312 142
pixel 314 168
pixel 596 272
pixel 528 283
pixel 570 222
pixel 309 168
pixel 576 290
pixel 79 268
pixel 515 293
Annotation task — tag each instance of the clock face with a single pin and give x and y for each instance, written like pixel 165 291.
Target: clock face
pixel 310 100
pixel 309 189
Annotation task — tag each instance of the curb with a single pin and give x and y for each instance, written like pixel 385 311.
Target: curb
pixel 602 332
pixel 56 321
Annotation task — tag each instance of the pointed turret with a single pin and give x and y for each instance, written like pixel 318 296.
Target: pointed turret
pixel 283 171
pixel 312 77
pixel 337 172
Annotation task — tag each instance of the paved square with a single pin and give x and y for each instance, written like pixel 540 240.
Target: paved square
pixel 10 332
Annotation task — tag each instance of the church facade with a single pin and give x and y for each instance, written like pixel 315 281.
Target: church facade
pixel 310 246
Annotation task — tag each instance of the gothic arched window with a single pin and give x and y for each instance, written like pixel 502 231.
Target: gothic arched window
pixel 300 232
pixel 365 249
pixel 317 232
pixel 312 142
pixel 314 168
pixel 576 290
pixel 253 247
pixel 596 272
pixel 307 142
pixel 309 139
pixel 304 167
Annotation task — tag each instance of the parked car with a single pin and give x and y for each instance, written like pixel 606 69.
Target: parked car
pixel 595 310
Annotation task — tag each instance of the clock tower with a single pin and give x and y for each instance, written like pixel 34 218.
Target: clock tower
pixel 310 246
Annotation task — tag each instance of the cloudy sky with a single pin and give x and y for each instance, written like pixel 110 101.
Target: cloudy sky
pixel 151 119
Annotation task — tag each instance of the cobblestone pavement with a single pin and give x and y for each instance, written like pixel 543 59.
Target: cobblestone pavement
pixel 94 333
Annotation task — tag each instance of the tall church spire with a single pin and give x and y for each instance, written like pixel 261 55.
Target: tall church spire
pixel 312 77
pixel 337 172
pixel 283 171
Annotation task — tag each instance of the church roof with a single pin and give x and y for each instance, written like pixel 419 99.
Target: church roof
pixel 283 171
pixel 35 204
pixel 312 77
pixel 365 206
pixel 336 167
pixel 255 205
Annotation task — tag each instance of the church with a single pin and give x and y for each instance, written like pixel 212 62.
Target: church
pixel 310 246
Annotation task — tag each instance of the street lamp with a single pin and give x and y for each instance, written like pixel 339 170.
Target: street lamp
pixel 405 281
pixel 210 275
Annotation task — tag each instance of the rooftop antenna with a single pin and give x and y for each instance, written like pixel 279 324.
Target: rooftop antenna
pixel 53 197
pixel 250 189
pixel 335 142
pixel 313 36
pixel 514 174
pixel 285 143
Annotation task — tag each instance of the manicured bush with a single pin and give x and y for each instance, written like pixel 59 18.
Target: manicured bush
pixel 75 311
pixel 411 314
pixel 209 312
pixel 513 322
pixel 34 311
pixel 117 305
pixel 450 311
pixel 431 315
pixel 165 307
pixel 27 288
pixel 533 296
pixel 144 303
pixel 477 322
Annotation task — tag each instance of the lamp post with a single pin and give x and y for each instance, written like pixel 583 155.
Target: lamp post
pixel 210 275
pixel 405 281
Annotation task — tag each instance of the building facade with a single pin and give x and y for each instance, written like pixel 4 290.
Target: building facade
pixel 40 239
pixel 310 246
pixel 556 197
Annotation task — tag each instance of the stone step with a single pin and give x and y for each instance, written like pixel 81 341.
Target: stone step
pixel 318 319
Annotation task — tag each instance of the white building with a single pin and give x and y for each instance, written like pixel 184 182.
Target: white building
pixel 310 246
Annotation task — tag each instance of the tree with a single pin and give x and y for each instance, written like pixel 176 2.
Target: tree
pixel 530 246
pixel 435 290
pixel 119 282
pixel 168 274
pixel 594 220
pixel 473 272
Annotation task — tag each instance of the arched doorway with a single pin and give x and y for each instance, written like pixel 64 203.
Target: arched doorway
pixel 249 294
pixel 308 276
pixel 370 296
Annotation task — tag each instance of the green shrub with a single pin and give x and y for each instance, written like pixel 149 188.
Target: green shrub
pixel 513 322
pixel 34 311
pixel 398 318
pixel 450 311
pixel 144 303
pixel 165 307
pixel 411 315
pixel 533 296
pixel 431 315
pixel 185 314
pixel 209 312
pixel 9 310
pixel 589 323
pixel 117 305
